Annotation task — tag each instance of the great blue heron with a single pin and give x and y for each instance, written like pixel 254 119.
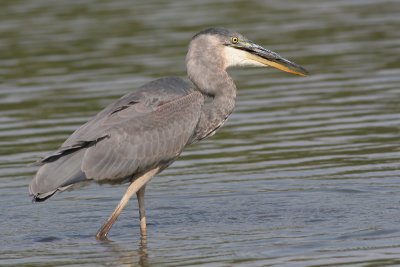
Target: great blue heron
pixel 143 132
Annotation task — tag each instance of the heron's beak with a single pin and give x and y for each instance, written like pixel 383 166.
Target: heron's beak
pixel 266 57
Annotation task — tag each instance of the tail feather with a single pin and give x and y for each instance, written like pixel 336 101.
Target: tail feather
pixel 43 197
pixel 57 176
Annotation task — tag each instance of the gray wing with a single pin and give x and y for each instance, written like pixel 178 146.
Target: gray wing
pixel 144 129
pixel 136 104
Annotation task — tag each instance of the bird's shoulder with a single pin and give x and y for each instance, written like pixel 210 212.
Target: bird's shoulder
pixel 149 96
pixel 158 92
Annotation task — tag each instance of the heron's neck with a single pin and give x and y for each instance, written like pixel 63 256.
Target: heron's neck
pixel 217 84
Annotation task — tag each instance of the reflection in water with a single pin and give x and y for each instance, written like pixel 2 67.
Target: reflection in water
pixel 144 256
pixel 126 256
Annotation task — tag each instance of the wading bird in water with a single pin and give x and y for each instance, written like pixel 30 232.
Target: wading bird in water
pixel 143 132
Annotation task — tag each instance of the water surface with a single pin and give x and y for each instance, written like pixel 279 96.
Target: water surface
pixel 304 173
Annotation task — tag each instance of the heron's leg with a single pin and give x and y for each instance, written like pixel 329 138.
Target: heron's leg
pixel 133 188
pixel 142 212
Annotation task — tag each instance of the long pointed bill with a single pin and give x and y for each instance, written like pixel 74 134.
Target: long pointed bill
pixel 264 56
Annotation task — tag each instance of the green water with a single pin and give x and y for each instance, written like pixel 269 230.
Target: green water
pixel 305 172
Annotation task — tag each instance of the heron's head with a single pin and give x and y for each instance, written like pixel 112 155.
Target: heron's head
pixel 229 49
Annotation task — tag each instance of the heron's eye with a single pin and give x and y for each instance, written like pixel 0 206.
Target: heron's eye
pixel 235 40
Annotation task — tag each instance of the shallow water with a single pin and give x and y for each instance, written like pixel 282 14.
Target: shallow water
pixel 305 172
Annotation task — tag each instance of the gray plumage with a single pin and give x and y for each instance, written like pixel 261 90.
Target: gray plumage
pixel 144 129
pixel 149 128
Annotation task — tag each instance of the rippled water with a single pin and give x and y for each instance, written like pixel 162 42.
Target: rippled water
pixel 305 172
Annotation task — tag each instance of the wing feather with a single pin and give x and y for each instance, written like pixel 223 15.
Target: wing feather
pixel 140 144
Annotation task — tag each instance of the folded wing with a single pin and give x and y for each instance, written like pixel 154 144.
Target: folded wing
pixel 144 129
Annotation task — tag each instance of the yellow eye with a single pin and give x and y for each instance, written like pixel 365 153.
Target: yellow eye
pixel 235 40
